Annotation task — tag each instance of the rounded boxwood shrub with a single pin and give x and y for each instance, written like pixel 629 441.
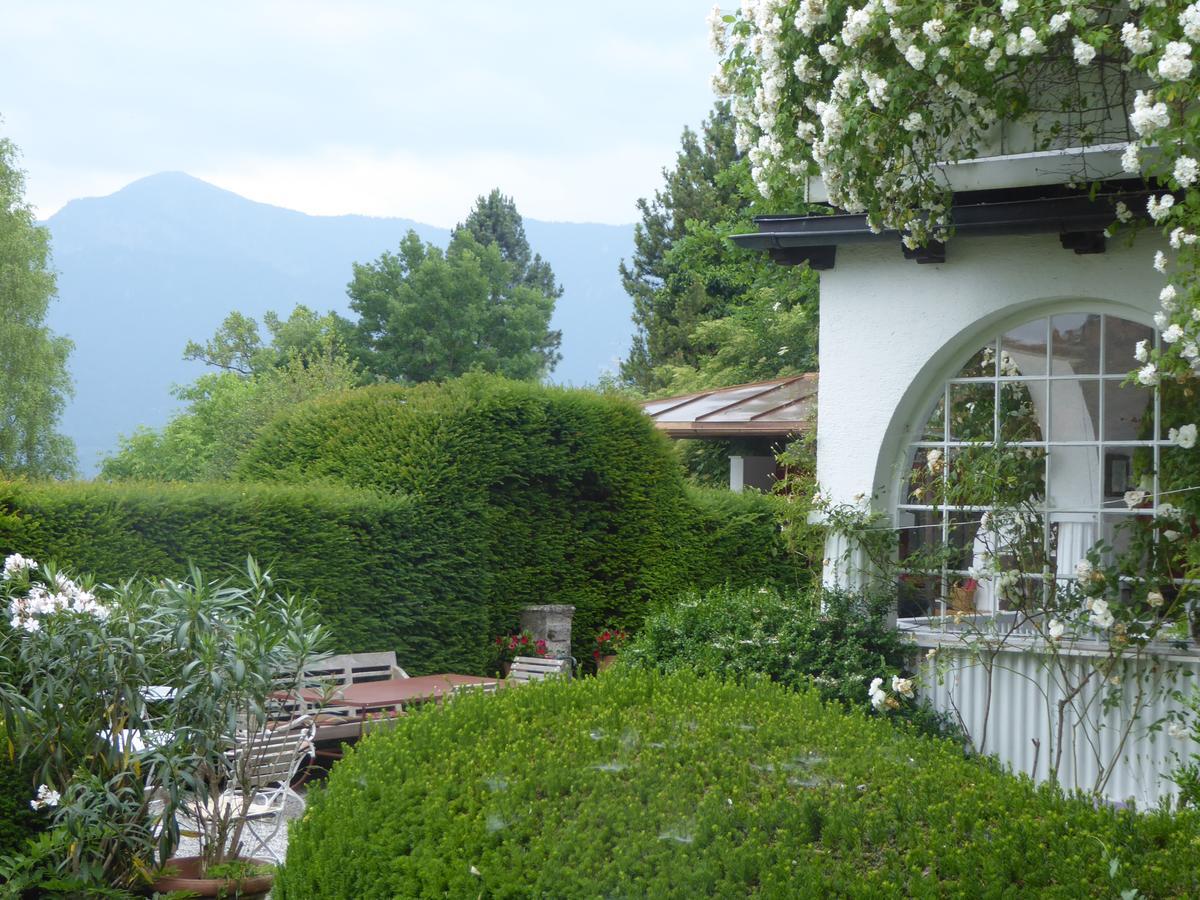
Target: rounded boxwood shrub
pixel 639 784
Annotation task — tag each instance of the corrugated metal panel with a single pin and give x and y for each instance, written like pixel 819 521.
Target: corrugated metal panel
pixel 1011 713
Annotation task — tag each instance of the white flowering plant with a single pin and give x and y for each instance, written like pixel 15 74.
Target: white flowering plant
pixel 827 88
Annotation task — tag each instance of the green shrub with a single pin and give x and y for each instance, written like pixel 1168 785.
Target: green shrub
pixel 637 784
pixel 18 822
pixel 548 495
pixel 835 640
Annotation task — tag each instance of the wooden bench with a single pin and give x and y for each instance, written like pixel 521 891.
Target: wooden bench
pixel 535 668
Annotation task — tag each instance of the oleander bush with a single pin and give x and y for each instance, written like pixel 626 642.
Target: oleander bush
pixel 18 822
pixel 639 784
pixel 835 641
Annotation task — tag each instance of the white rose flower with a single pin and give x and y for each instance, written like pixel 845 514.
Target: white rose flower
pixel 1160 207
pixel 1148 116
pixel 1167 298
pixel 934 29
pixel 1008 8
pixel 1170 535
pixel 1056 629
pixel 1148 375
pixel 1160 261
pixel 1136 40
pixel 980 37
pixel 1173 334
pixel 1140 353
pixel 1155 599
pixel 1083 569
pixel 1184 437
pixel 916 57
pixel 1134 499
pixel 1189 19
pixel 1101 616
pixel 913 122
pixel 1084 52
pixel 1058 22
pixel 1175 65
pixel 902 686
pixel 1187 170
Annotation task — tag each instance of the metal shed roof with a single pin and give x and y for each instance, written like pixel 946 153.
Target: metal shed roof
pixel 762 409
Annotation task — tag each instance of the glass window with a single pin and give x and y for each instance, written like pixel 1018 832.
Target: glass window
pixel 1038 418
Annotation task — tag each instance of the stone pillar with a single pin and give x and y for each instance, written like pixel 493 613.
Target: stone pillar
pixel 551 624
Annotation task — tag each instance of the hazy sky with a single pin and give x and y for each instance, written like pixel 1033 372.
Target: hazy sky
pixel 385 108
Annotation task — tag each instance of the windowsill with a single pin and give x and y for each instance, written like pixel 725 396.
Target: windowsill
pixel 998 633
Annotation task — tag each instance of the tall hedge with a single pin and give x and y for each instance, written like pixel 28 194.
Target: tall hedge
pixel 422 519
pixel 554 495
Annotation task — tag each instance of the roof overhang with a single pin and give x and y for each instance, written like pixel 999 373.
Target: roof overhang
pixel 772 409
pixel 1078 218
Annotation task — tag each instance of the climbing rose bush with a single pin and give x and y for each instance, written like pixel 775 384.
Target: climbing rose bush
pixel 874 96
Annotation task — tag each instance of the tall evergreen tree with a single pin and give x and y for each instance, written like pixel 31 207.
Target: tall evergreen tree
pixel 494 220
pixel 34 383
pixel 694 292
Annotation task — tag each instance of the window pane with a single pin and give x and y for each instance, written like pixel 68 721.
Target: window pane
pixel 935 427
pixel 1075 345
pixel 918 595
pixel 925 477
pixel 1023 350
pixel 1074 410
pixel 1128 412
pixel 995 476
pixel 1074 478
pixel 972 411
pixel 1119 478
pixel 1178 473
pixel 1022 407
pixel 1120 339
pixel 982 364
pixel 1072 535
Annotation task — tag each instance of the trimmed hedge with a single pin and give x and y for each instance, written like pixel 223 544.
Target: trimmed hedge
pixel 365 557
pixel 642 785
pixel 552 495
pixel 423 519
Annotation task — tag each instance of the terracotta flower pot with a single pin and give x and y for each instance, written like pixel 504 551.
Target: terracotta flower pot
pixel 187 878
pixel 605 661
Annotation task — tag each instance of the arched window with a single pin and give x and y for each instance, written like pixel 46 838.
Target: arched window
pixel 1040 416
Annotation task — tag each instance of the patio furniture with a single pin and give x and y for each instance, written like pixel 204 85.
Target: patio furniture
pixel 535 668
pixel 324 680
pixel 263 765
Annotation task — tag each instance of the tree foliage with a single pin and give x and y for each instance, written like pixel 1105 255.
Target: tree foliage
pixel 708 313
pixel 482 304
pixel 226 410
pixel 34 383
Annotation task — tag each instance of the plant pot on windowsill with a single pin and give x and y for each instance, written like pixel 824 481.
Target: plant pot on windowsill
pixel 604 661
pixel 185 876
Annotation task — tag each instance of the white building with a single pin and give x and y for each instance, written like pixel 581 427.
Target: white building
pixel 1030 304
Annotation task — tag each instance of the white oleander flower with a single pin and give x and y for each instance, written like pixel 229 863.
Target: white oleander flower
pixel 1187 170
pixel 1175 63
pixel 17 564
pixel 46 797
pixel 1184 437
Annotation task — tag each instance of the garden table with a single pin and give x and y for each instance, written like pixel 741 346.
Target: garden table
pixel 404 691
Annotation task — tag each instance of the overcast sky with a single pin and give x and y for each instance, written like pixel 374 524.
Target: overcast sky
pixel 384 108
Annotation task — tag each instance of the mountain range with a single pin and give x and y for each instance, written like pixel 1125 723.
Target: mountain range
pixel 166 258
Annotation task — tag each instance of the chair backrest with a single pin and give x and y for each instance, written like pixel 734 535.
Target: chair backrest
pixel 271 757
pixel 354 668
pixel 488 687
pixel 535 668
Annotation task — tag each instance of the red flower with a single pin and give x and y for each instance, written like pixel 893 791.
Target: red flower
pixel 596 654
pixel 605 637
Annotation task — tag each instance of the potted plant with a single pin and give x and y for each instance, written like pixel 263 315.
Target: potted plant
pixel 608 644
pixel 509 646
pixel 240 650
pixel 76 665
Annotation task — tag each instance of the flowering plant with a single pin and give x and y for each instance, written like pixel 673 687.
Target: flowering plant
pixel 609 642
pixel 510 646
pixel 826 89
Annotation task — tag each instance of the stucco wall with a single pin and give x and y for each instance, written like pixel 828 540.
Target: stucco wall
pixel 893 330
